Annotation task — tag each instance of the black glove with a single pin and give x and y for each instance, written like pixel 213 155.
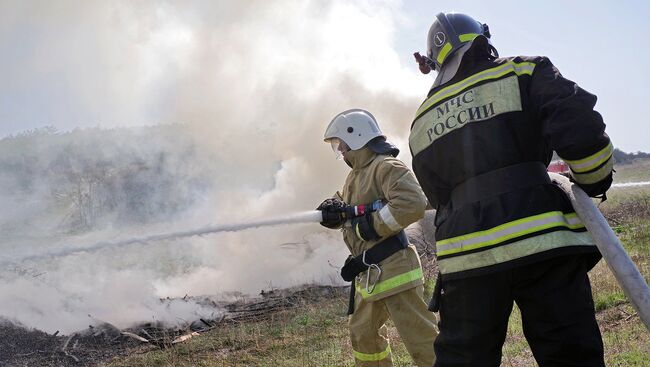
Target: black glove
pixel 598 189
pixel 351 269
pixel 364 229
pixel 333 210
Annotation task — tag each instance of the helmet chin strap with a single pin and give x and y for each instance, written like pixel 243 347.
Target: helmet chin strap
pixel 493 51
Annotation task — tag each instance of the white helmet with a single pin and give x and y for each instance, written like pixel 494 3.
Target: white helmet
pixel 355 127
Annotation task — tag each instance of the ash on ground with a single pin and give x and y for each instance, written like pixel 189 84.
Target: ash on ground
pixel 102 342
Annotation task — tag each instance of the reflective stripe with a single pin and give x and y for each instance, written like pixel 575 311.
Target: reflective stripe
pixel 443 52
pixel 356 230
pixel 467 37
pixel 518 68
pixel 514 250
pixel 367 357
pixel 388 219
pixel 591 162
pixel 507 231
pixel 391 283
pixel 595 176
pixel 477 103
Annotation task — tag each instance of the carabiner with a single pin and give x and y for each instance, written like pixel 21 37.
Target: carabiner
pixel 369 289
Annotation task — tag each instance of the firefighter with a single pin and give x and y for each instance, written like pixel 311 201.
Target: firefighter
pixel 505 233
pixel 384 268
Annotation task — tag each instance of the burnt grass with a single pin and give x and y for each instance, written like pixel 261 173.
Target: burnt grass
pixel 29 347
pixel 101 343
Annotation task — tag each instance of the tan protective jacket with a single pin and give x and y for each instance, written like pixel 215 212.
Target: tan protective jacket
pixel 386 178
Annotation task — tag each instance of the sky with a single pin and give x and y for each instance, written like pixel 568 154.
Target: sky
pixel 598 44
pixel 73 64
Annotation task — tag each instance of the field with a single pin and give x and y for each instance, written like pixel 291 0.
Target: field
pixel 316 333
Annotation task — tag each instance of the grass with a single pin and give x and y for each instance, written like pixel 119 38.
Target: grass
pixel 317 334
pixel 309 337
pixel 638 171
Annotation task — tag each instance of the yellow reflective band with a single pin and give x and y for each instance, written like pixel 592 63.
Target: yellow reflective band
pixel 443 52
pixel 472 105
pixel 496 72
pixel 467 37
pixel 595 176
pixel 508 231
pixel 368 357
pixel 356 230
pixel 514 250
pixel 593 161
pixel 391 283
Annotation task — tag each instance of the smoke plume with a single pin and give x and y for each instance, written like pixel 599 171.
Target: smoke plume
pixel 249 87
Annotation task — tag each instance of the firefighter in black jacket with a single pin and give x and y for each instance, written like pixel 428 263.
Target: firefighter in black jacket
pixel 505 233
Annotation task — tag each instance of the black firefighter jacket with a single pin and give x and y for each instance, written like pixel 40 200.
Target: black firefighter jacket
pixel 493 115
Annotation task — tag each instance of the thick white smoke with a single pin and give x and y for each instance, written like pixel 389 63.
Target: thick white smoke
pixel 255 84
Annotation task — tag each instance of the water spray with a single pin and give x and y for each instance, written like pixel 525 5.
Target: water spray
pixel 312 216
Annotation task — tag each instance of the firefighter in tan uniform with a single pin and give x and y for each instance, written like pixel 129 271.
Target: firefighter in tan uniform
pixel 384 267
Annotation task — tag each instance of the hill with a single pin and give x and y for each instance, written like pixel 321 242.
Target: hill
pixel 72 182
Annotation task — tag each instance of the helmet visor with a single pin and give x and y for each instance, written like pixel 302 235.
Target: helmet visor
pixel 339 147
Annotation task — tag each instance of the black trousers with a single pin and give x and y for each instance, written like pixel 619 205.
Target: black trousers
pixel 557 311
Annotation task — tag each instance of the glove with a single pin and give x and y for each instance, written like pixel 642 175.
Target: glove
pixel 333 204
pixel 364 229
pixel 351 269
pixel 332 210
pixel 597 189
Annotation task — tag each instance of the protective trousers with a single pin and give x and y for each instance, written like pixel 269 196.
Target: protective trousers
pixel 415 324
pixel 557 312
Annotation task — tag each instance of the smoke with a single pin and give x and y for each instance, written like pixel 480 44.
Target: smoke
pixel 253 85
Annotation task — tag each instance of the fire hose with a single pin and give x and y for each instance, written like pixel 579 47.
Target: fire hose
pixel 625 271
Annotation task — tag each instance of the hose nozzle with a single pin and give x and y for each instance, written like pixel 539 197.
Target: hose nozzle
pixel 362 209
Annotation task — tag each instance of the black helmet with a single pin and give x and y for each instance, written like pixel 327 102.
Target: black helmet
pixel 449 32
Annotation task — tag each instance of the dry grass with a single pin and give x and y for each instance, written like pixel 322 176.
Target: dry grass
pixel 317 334
pixel 639 170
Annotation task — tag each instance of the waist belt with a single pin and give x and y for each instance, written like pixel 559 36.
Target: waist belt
pixel 373 256
pixel 378 253
pixel 499 181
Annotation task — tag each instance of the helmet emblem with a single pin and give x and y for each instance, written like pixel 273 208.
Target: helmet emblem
pixel 439 39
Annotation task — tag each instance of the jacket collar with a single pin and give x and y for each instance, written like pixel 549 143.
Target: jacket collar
pixel 360 158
